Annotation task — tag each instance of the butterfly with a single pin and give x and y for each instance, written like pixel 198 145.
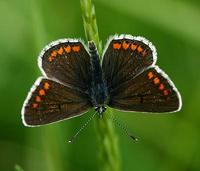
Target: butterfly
pixel 74 81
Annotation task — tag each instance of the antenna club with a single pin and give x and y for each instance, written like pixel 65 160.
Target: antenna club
pixel 134 138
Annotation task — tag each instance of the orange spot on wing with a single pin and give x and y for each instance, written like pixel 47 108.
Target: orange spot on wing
pixel 76 48
pixel 165 92
pixel 41 92
pixel 161 87
pixel 46 86
pixel 34 105
pixel 139 49
pixel 50 59
pixel 150 75
pixel 60 51
pixel 67 49
pixel 125 45
pixel 116 45
pixel 54 53
pixel 37 99
pixel 133 47
pixel 156 80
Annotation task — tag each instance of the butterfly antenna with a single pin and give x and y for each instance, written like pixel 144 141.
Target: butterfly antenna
pixel 123 127
pixel 82 127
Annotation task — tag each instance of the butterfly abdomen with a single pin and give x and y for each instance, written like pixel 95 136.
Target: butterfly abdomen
pixel 98 91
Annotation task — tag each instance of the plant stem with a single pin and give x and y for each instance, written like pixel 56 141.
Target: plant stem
pixel 109 159
pixel 90 24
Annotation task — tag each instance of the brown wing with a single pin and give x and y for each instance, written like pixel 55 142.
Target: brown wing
pixel 150 91
pixel 49 101
pixel 125 57
pixel 67 61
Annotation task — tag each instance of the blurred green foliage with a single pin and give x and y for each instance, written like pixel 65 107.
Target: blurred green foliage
pixel 167 142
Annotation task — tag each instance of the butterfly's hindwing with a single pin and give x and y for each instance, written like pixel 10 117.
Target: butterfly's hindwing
pixel 67 61
pixel 150 91
pixel 49 101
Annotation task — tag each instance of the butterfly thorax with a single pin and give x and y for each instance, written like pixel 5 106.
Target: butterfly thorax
pixel 98 91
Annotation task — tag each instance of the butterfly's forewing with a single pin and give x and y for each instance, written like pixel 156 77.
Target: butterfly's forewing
pixel 150 91
pixel 66 64
pixel 49 101
pixel 125 57
pixel 67 61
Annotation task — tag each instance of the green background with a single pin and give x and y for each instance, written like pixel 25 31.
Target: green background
pixel 167 142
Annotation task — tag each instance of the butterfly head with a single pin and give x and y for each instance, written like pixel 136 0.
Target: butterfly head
pixel 100 110
pixel 91 45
